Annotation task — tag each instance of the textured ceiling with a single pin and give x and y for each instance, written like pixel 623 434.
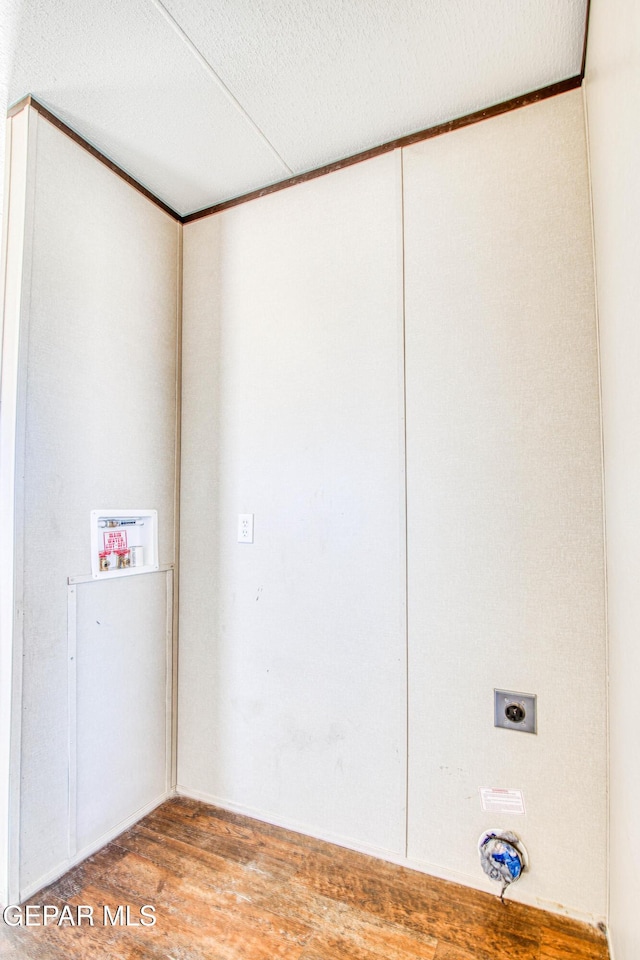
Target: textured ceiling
pixel 204 100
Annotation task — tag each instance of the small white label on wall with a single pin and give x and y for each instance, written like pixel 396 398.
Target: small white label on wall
pixel 495 800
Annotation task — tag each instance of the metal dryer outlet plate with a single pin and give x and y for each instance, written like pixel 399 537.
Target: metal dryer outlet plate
pixel 514 711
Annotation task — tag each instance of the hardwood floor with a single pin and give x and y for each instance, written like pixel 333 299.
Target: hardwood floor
pixel 228 888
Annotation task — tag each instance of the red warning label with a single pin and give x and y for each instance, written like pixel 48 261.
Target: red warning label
pixel 115 540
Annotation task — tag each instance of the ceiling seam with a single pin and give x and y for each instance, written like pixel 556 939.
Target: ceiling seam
pixel 162 10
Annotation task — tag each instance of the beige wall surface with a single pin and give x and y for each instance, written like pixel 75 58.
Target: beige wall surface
pixel 121 707
pixel 299 700
pixel 292 653
pixel 505 545
pixel 98 338
pixel 291 663
pixel 613 106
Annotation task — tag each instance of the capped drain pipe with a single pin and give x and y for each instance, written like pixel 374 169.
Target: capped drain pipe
pixel 502 856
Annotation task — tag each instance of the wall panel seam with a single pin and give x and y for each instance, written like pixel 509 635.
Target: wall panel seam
pixel 175 580
pixel 405 496
pixel 603 488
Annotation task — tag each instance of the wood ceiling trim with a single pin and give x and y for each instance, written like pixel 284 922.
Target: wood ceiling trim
pixel 543 93
pixel 583 68
pixel 506 106
pixel 30 101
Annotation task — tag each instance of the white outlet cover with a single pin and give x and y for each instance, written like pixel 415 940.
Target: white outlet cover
pixel 245 528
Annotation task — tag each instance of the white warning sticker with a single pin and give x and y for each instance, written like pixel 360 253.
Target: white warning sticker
pixel 495 800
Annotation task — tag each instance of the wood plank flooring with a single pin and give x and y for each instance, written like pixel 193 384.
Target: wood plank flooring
pixel 225 887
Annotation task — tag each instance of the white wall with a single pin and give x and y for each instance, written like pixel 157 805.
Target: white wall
pixel 292 652
pixel 293 659
pixel 14 280
pixel 97 428
pixel 613 103
pixel 506 578
pixel 292 662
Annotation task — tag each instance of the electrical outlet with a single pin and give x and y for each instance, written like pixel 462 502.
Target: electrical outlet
pixel 245 528
pixel 514 711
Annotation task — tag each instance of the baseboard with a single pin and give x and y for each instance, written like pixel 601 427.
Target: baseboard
pixel 518 894
pixel 62 868
pixel 610 945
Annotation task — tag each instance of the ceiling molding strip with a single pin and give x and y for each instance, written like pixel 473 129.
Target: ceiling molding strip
pixel 30 101
pixel 563 86
pixel 586 37
pixel 524 100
